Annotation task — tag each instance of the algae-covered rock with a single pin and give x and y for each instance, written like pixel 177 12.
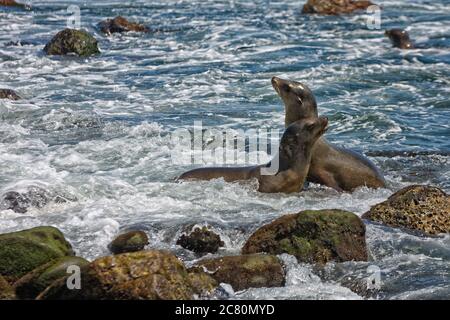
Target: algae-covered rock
pixel 335 7
pixel 23 251
pixel 313 236
pixel 129 242
pixel 9 94
pixel 36 281
pixel 201 240
pixel 120 24
pixel 149 275
pixel 6 290
pixel 422 208
pixel 72 41
pixel 245 271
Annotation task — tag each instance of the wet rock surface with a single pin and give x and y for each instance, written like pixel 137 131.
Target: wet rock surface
pixel 36 281
pixel 149 275
pixel 23 251
pixel 201 241
pixel 129 242
pixel 245 271
pixel 68 41
pixel 418 207
pixel 120 24
pixel 9 94
pixel 313 236
pixel 335 7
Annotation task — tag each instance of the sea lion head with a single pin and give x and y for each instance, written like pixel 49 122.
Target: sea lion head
pixel 399 38
pixel 300 136
pixel 299 101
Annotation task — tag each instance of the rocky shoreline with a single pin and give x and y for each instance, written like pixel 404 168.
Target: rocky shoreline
pixel 34 263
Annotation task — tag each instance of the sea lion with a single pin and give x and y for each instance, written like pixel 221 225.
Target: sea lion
pixel 294 157
pixel 399 38
pixel 335 167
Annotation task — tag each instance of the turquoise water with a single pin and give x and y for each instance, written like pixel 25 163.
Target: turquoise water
pixel 97 130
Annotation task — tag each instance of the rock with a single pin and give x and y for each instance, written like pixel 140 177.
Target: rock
pixel 422 208
pixel 6 291
pixel 245 271
pixel 13 3
pixel 129 242
pixel 9 94
pixel 23 251
pixel 335 7
pixel 120 24
pixel 36 281
pixel 33 196
pixel 313 236
pixel 149 275
pixel 201 240
pixel 72 41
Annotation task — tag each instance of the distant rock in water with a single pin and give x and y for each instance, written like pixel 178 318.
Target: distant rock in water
pixel 143 275
pixel 421 208
pixel 120 24
pixel 201 240
pixel 9 94
pixel 245 271
pixel 129 242
pixel 34 196
pixel 72 41
pixel 13 3
pixel 23 251
pixel 399 38
pixel 335 7
pixel 313 236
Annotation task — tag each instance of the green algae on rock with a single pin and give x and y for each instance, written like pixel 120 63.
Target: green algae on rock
pixel 129 242
pixel 142 275
pixel 72 41
pixel 313 236
pixel 23 251
pixel 422 208
pixel 36 281
pixel 245 271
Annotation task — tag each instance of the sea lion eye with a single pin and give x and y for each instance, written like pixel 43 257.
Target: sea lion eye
pixel 286 88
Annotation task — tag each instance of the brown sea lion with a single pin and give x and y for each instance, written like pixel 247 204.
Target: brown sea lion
pixel 338 168
pixel 294 157
pixel 399 38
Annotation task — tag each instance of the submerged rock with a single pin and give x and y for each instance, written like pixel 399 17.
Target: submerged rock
pixel 36 281
pixel 245 271
pixel 149 275
pixel 129 242
pixel 72 41
pixel 23 251
pixel 6 290
pixel 417 207
pixel 9 94
pixel 120 24
pixel 335 7
pixel 201 240
pixel 313 236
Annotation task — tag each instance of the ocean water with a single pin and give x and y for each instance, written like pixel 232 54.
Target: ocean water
pixel 97 130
